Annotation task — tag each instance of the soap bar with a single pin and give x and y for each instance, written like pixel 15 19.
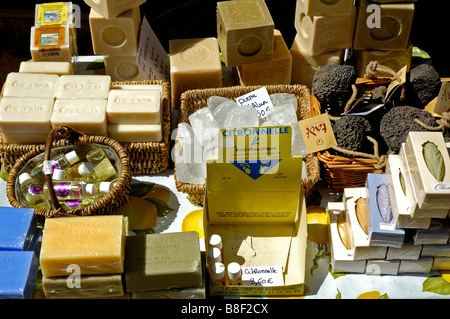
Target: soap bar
pixel 118 36
pixel 244 32
pixel 420 266
pixel 174 293
pixel 305 65
pixel 325 7
pixel 322 34
pixel 163 261
pixel 438 250
pixel 95 243
pixel 394 29
pixel 25 120
pixel 90 286
pixel 51 43
pixel 123 68
pixel 438 233
pixel 194 64
pixel 407 251
pixel 86 115
pixel 18 228
pixel 18 274
pixel 58 68
pixel 276 71
pixel 111 9
pixel 382 267
pixel 134 107
pixel 135 132
pixel 83 86
pixel 441 263
pixel 30 85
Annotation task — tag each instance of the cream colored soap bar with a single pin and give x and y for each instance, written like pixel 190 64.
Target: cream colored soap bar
pixel 25 120
pixel 30 85
pixel 135 132
pixel 123 68
pixel 110 9
pixel 51 43
pixel 304 65
pixel 276 71
pixel 86 115
pixel 83 86
pixel 194 64
pixel 322 34
pixel 96 244
pixel 118 36
pixel 58 68
pixel 244 31
pixel 326 7
pixel 393 31
pixel 134 107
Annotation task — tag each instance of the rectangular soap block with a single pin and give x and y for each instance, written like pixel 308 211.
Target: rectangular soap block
pixel 51 43
pixel 163 261
pixel 18 274
pixel 407 251
pixel 135 132
pixel 382 230
pixel 436 250
pixel 123 68
pixel 83 86
pixel 244 32
pixel 111 9
pixel 438 233
pixel 382 267
pixel 58 68
pixel 18 228
pixel 322 34
pixel 118 36
pixel 429 165
pixel 86 115
pixel 305 65
pixel 90 286
pixel 30 85
pixel 194 64
pixel 95 243
pixel 392 32
pixel 276 71
pixel 441 263
pixel 134 107
pixel 325 8
pixel 420 266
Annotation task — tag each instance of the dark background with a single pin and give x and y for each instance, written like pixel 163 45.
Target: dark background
pixel 175 19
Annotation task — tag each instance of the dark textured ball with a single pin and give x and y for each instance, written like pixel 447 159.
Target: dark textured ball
pixel 351 132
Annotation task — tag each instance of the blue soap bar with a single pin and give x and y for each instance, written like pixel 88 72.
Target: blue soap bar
pixel 18 272
pixel 18 228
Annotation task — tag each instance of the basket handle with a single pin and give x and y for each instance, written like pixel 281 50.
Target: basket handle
pixel 60 132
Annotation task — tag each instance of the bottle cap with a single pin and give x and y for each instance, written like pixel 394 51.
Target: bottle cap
pixel 90 189
pixel 214 255
pixel 215 241
pixel 218 270
pixel 59 174
pixel 23 177
pixel 72 157
pixel 105 187
pixel 85 169
pixel 234 270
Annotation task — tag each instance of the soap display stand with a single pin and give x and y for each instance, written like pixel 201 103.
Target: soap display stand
pixel 67 136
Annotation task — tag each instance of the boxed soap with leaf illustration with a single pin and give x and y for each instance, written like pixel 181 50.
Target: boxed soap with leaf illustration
pixel 429 163
pixel 254 201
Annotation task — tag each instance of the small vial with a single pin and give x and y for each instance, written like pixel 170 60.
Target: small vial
pixel 218 273
pixel 214 256
pixel 61 161
pixel 215 241
pixel 234 274
pixel 32 191
pixel 81 170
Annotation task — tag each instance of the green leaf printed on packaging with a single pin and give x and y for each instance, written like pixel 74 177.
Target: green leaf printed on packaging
pixel 384 203
pixel 402 181
pixel 437 285
pixel 434 160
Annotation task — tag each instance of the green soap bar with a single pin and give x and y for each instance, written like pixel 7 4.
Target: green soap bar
pixel 163 261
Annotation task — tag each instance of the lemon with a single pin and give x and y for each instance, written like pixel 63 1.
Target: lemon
pixel 194 222
pixel 318 222
pixel 369 295
pixel 445 275
pixel 141 213
pixel 158 193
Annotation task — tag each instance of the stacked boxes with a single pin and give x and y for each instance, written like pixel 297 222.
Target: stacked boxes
pixel 398 223
pixel 115 34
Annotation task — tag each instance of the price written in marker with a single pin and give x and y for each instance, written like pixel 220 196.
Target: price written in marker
pixel 262 276
pixel 259 99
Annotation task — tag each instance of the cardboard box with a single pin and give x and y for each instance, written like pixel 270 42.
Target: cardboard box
pixel 244 197
pixel 420 266
pixel 441 263
pixel 436 250
pixel 382 267
pixel 438 233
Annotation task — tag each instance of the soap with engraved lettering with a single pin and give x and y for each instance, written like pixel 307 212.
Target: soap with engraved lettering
pixel 18 274
pixel 244 31
pixel 135 132
pixel 123 68
pixel 194 64
pixel 110 9
pixel 393 28
pixel 95 244
pixel 83 86
pixel 42 67
pixel 86 115
pixel 30 85
pixel 326 7
pixel 118 36
pixel 163 261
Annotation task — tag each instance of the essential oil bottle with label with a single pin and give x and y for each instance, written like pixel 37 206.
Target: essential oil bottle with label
pixel 61 161
pixel 32 192
pixel 234 274
pixel 103 168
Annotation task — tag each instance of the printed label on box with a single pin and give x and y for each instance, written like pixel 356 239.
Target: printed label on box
pixel 52 13
pixel 259 99
pixel 317 133
pixel 49 38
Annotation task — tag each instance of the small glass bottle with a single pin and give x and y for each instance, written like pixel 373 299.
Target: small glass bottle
pixel 234 274
pixel 66 190
pixel 214 256
pixel 61 161
pixel 103 167
pixel 215 240
pixel 82 170
pixel 32 192
pixel 217 273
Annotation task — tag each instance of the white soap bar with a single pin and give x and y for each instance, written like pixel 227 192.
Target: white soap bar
pixel 123 68
pixel 58 68
pixel 51 43
pixel 134 107
pixel 86 115
pixel 113 8
pixel 382 267
pixel 420 266
pixel 135 132
pixel 83 86
pixel 407 251
pixel 30 85
pixel 156 87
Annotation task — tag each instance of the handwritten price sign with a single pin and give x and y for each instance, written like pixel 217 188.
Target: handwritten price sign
pixel 262 276
pixel 317 133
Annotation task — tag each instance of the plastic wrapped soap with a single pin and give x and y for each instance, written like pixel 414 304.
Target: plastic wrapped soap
pixel 18 228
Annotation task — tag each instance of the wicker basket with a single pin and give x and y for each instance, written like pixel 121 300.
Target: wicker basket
pixel 194 100
pixel 66 136
pixel 145 157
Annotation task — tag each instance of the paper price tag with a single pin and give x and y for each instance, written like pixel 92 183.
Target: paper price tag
pixel 262 276
pixel 259 99
pixel 443 99
pixel 395 84
pixel 317 133
pixel 151 57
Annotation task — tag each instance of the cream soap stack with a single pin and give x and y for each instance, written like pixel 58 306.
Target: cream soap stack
pixel 324 31
pixel 115 29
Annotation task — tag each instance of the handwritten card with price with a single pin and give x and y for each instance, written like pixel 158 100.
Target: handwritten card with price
pixel 259 99
pixel 317 133
pixel 264 276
